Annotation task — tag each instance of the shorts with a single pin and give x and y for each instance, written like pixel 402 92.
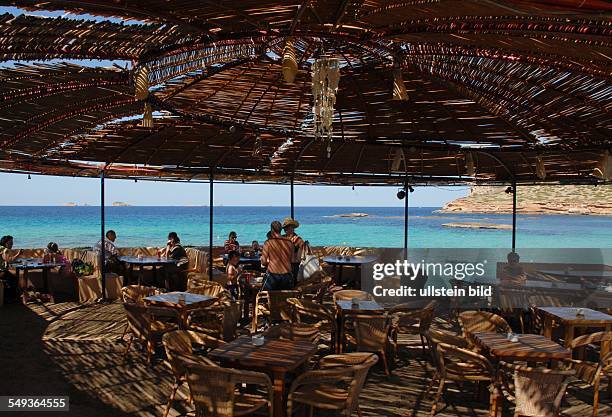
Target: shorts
pixel 277 282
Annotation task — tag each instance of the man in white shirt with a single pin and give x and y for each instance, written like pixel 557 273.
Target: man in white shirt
pixel 110 251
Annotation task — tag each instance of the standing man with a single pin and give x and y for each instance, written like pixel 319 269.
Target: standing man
pixel 289 226
pixel 276 256
pixel 8 255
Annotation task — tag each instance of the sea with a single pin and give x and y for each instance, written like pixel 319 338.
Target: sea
pixel 35 226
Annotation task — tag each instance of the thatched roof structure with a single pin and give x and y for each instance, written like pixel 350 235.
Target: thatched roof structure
pixel 510 86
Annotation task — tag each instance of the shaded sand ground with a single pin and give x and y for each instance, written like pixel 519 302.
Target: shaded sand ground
pixel 66 349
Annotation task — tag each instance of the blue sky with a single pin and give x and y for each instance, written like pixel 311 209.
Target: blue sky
pixel 42 190
pixel 18 190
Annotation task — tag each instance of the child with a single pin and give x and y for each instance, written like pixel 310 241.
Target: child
pixel 233 271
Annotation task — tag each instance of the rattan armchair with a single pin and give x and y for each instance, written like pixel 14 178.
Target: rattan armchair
pixel 348 295
pixel 371 334
pixel 592 372
pixel 321 316
pixel 536 392
pixel 209 288
pixel 179 351
pixel 482 321
pixel 215 394
pixel 415 322
pixel 219 320
pixel 135 294
pixel 454 364
pixel 336 386
pixel 272 305
pixel 145 328
pixel 293 331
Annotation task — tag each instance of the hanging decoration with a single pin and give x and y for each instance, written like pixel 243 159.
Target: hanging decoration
pixel 398 158
pixel 147 117
pixel 141 92
pixel 325 79
pixel 540 168
pixel 604 168
pixel 399 88
pixel 470 169
pixel 290 66
pixel 256 146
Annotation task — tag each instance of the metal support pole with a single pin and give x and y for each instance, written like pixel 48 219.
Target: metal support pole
pixel 210 236
pixel 103 238
pixel 406 219
pixel 513 216
pixel 292 201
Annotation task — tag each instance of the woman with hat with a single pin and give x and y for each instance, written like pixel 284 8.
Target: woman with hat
pixel 289 226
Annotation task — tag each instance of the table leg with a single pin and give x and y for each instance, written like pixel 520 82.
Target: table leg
pixel 340 269
pixel 569 335
pixel 358 277
pixel 279 392
pixel 131 278
pixel 155 275
pixel 140 275
pixel 548 325
pixel 45 277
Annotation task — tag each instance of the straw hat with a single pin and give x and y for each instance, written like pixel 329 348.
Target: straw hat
pixel 290 222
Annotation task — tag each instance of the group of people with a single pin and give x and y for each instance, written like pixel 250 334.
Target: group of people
pixel 280 256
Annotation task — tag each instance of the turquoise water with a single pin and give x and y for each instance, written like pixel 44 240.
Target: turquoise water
pixel 148 226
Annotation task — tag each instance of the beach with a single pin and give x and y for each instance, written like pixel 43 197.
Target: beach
pixel 35 226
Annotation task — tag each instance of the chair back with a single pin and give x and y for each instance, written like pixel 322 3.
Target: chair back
pixel 139 319
pixel 213 390
pixel 348 295
pixel 294 331
pixel 537 391
pixel 136 293
pixel 209 288
pixel 482 321
pixel 178 345
pixel 305 311
pixel 371 331
pixel 435 337
pixel 590 372
pixel 460 364
pixel 276 303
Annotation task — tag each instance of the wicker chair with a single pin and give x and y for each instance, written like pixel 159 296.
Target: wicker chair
pixel 135 294
pixel 219 320
pixel 461 365
pixel 348 295
pixel 215 395
pixel 209 288
pixel 321 316
pixel 592 372
pixel 482 321
pixel 145 328
pixel 293 331
pixel 315 288
pixel 435 337
pixel 536 392
pixel 415 322
pixel 371 334
pixel 179 351
pixel 273 306
pixel 336 386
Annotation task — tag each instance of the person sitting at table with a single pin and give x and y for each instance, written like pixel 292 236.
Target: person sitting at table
pixel 231 244
pixel 233 271
pixel 7 256
pixel 111 254
pixel 513 273
pixel 276 256
pixel 289 226
pixel 255 248
pixel 177 278
pixel 54 255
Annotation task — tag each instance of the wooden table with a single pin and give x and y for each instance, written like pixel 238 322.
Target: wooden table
pixel 276 357
pixel 339 262
pixel 530 347
pixel 598 274
pixel 347 307
pixel 171 300
pixel 141 262
pixel 566 316
pixel 26 265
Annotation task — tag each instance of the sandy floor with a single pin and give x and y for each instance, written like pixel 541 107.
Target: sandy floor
pixel 66 349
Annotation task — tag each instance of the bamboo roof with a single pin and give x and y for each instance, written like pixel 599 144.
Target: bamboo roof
pixel 502 84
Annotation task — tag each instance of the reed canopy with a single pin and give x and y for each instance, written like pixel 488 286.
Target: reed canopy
pixel 429 91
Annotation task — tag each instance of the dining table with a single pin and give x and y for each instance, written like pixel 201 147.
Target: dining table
pixel 182 302
pixel 24 265
pixel 279 358
pixel 340 262
pixel 570 319
pixel 142 261
pixel 527 347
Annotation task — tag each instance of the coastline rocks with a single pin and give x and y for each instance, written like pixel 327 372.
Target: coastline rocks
pixel 476 225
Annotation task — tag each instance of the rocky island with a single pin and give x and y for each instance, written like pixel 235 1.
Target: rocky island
pixel 536 199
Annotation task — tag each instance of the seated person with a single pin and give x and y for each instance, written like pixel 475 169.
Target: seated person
pixel 175 273
pixel 231 244
pixel 53 255
pixel 111 254
pixel 233 271
pixel 276 256
pixel 513 273
pixel 7 256
pixel 255 248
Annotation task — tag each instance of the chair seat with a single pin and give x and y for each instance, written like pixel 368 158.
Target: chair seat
pixel 162 326
pixel 586 371
pixel 322 396
pixel 245 404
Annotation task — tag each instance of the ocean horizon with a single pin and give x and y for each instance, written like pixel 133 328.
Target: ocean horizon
pixel 79 226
